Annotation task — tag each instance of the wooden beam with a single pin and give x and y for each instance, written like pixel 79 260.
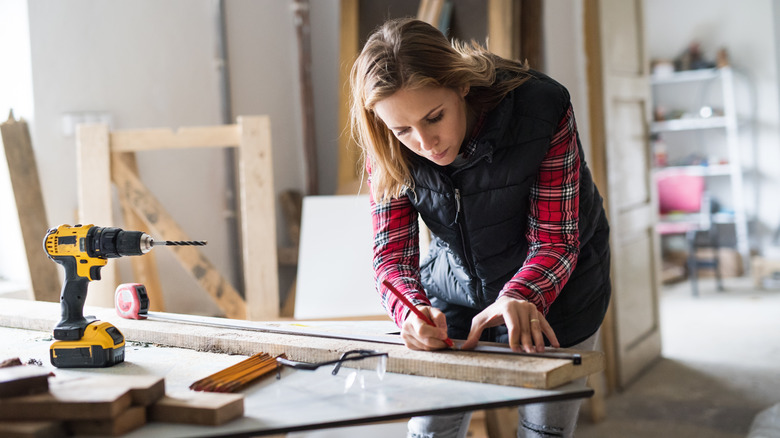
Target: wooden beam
pixel 187 137
pixel 258 218
pixel 144 268
pixel 95 199
pixel 162 224
pixel 349 152
pixel 530 43
pixel 500 369
pixel 23 171
pixel 303 32
pixel 502 28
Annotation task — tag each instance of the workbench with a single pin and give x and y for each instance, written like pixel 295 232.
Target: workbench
pixel 299 400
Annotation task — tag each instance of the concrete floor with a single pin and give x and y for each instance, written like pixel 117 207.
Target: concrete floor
pixel 720 367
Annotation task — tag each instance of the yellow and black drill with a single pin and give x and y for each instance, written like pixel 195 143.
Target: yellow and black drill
pixel 82 250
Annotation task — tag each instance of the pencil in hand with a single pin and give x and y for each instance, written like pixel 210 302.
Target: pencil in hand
pixel 413 308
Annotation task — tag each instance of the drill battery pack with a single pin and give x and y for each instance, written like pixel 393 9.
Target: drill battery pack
pixel 102 345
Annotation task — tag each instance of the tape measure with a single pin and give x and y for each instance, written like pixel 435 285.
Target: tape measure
pixel 131 301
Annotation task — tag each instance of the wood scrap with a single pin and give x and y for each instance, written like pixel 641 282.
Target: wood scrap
pixel 10 362
pixel 131 419
pixel 71 400
pixel 23 380
pixel 202 408
pixel 144 390
pixel 31 429
pixel 23 172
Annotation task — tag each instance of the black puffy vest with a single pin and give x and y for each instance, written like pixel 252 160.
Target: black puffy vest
pixel 478 216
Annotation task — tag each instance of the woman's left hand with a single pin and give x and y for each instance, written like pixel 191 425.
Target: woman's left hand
pixel 526 325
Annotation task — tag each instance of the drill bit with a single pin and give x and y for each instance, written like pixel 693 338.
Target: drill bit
pixel 179 243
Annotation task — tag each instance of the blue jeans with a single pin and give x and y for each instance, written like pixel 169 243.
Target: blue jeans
pixel 537 420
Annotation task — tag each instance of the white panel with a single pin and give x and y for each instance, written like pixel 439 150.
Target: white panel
pixel 335 276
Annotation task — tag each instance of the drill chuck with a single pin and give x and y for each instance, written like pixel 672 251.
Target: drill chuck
pixel 112 242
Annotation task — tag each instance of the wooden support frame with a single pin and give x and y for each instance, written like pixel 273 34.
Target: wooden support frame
pixel 104 157
pixel 23 172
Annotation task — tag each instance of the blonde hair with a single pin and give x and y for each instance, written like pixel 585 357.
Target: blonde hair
pixel 409 53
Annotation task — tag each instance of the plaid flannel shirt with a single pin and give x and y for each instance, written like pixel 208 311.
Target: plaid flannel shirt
pixel 552 234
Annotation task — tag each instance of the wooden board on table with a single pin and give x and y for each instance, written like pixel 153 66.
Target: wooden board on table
pixel 101 398
pixel 131 419
pixel 31 429
pixel 203 408
pixel 23 380
pixel 501 369
pixel 70 400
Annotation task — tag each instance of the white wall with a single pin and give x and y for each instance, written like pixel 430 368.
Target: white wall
pixel 564 54
pixel 153 64
pixel 16 93
pixel 746 30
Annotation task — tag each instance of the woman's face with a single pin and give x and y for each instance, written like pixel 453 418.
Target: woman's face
pixel 430 121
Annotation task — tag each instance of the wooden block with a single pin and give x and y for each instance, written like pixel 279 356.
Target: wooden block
pixel 31 429
pixel 77 399
pixel 144 390
pixel 204 408
pixel 23 380
pixel 128 420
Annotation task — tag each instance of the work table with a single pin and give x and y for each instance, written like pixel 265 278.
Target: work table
pixel 299 400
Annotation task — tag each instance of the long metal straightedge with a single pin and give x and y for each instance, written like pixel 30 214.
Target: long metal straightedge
pixel 390 338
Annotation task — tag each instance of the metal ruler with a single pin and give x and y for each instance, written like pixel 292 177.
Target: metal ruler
pixel 390 338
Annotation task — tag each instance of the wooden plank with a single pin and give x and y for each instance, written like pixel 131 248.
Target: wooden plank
pixel 145 390
pixel 303 33
pixel 144 268
pixel 162 224
pixel 186 137
pixel 131 419
pixel 94 197
pixel 23 380
pixel 31 429
pixel 258 219
pixel 69 400
pixel 23 171
pixel 501 28
pixel 531 33
pixel 203 408
pixel 501 369
pixel 349 152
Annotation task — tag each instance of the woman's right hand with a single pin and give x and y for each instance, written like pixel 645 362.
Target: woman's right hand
pixel 419 335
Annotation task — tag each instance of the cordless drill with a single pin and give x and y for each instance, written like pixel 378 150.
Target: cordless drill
pixel 84 342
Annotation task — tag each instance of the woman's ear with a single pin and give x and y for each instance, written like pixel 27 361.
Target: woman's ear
pixel 464 90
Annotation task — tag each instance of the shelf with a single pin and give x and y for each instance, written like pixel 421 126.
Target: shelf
pixel 689 124
pixel 715 170
pixel 693 219
pixel 686 76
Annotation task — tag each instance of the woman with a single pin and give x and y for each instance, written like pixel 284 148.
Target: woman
pixel 486 151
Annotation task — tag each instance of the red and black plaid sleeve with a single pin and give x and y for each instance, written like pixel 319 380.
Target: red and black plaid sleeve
pixel 553 234
pixel 396 254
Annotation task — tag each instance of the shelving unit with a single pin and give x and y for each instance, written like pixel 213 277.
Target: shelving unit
pixel 715 116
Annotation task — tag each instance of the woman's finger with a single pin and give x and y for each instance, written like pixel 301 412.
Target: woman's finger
pixel 536 331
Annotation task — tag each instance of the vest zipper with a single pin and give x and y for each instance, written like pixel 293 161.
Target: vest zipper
pixel 466 246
